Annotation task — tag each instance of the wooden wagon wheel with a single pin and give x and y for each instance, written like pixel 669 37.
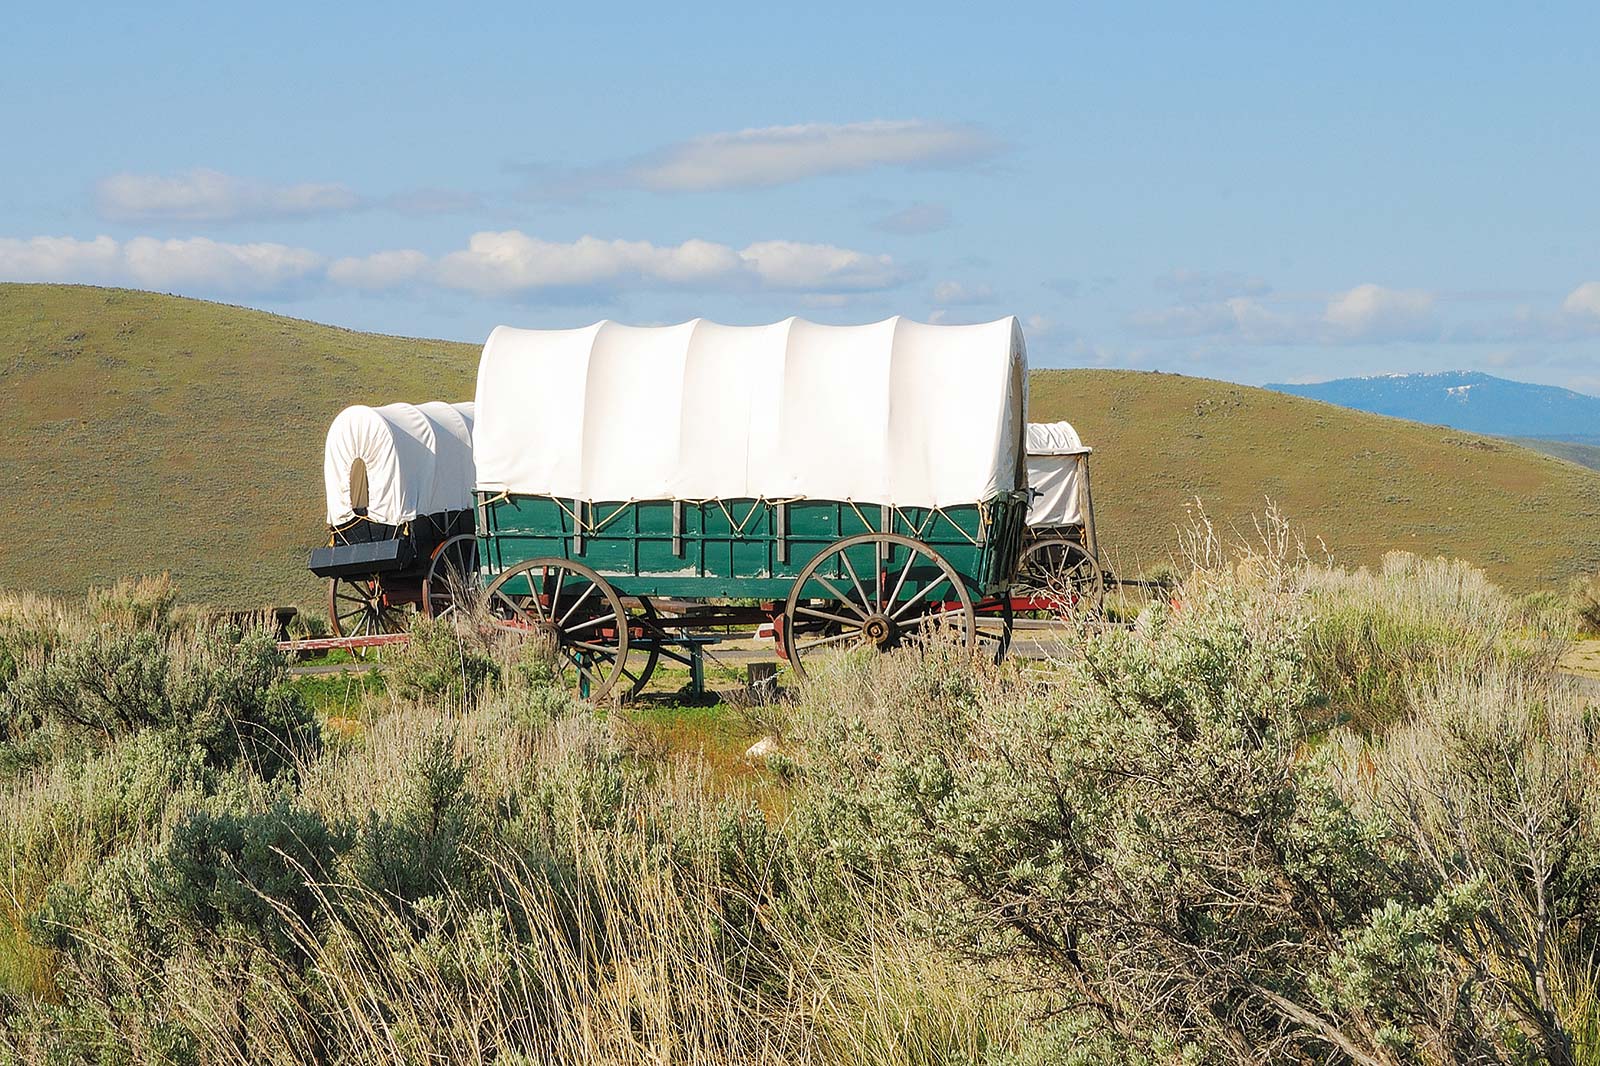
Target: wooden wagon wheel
pixel 647 637
pixel 576 611
pixel 358 607
pixel 1061 571
pixel 879 605
pixel 452 571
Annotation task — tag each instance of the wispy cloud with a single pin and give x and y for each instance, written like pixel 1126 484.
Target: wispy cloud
pixel 956 293
pixel 511 262
pixel 916 219
pixel 204 195
pixel 771 156
pixel 1211 285
pixel 1367 313
pixel 196 264
pixel 433 202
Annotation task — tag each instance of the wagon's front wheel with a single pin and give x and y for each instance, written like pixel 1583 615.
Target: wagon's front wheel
pixel 452 576
pixel 879 590
pixel 359 607
pixel 576 612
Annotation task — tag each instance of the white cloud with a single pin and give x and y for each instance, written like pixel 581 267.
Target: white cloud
pixel 512 261
pixel 1373 313
pixel 918 218
pixel 58 259
pixel 204 195
pixel 1584 300
pixel 824 267
pixel 770 156
pixel 491 263
pixel 952 293
pixel 379 271
pixel 195 263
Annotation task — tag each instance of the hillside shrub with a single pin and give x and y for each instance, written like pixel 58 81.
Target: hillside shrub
pixel 251 872
pixel 1156 848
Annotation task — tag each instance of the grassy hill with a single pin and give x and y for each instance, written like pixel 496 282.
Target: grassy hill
pixel 1361 484
pixel 1583 454
pixel 144 432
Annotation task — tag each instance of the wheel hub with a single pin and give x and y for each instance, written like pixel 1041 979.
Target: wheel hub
pixel 879 630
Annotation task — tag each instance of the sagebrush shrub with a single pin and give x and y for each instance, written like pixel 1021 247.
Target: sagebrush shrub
pixel 254 871
pixel 430 843
pixel 443 661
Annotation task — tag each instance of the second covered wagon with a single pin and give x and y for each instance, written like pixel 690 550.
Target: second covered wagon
pixel 398 481
pixel 856 485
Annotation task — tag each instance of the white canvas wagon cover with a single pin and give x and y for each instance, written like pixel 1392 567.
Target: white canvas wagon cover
pixel 1054 457
pixel 897 412
pixel 418 460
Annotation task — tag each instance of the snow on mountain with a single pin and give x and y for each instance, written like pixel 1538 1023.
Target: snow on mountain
pixel 1468 400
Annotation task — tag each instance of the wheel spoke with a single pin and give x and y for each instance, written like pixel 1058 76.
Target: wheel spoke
pixel 841 597
pixel 576 604
pixel 877 576
pixel 942 612
pixel 596 620
pixel 516 609
pixel 582 669
pixel 905 572
pixel 944 579
pixel 866 601
pixel 841 619
pixel 829 640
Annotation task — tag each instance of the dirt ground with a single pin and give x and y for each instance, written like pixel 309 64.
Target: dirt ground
pixel 1583 659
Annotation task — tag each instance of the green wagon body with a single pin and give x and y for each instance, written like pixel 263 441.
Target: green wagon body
pixel 743 549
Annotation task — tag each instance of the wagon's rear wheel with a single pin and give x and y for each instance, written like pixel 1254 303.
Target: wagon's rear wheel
pixel 880 590
pixel 1060 572
pixel 452 576
pixel 359 607
pixel 579 615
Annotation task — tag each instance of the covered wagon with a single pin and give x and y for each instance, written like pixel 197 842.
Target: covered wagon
pixel 398 481
pixel 1060 555
pixel 852 485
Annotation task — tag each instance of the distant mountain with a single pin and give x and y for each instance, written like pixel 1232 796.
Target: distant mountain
pixel 1479 403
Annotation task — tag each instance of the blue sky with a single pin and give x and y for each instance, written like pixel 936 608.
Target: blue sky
pixel 1251 192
